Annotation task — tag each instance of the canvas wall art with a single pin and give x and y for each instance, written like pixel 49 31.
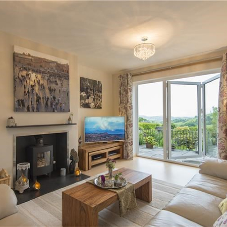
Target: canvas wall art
pixel 41 82
pixel 90 93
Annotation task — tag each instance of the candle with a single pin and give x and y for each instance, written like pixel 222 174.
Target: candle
pixel 37 185
pixel 77 172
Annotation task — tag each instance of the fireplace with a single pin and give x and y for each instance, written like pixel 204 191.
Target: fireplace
pixel 44 159
pixel 41 160
pixel 47 151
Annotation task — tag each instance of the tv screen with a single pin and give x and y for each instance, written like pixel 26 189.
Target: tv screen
pixel 104 129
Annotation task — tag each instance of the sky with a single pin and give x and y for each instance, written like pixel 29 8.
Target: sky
pixel 105 123
pixel 183 97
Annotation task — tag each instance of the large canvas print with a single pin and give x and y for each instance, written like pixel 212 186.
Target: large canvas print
pixel 41 82
pixel 90 93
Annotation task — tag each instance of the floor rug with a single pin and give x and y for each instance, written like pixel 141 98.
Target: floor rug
pixel 46 210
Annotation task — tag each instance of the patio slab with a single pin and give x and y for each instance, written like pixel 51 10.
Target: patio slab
pixel 177 155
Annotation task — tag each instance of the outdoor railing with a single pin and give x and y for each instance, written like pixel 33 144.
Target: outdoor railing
pixel 181 139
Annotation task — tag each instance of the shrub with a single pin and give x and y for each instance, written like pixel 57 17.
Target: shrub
pixel 151 140
pixel 141 140
pixel 184 137
pixel 145 125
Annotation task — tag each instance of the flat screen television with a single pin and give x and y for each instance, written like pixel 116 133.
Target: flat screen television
pixel 104 129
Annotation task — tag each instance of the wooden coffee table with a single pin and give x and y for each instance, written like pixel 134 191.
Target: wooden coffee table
pixel 81 204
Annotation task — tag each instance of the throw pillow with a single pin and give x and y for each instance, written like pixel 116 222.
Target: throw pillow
pixel 221 221
pixel 214 167
pixel 223 206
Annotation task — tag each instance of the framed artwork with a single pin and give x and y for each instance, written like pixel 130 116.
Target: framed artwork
pixel 41 82
pixel 90 93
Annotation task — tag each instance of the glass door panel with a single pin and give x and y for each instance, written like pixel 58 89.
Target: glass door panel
pixel 211 117
pixel 150 112
pixel 184 120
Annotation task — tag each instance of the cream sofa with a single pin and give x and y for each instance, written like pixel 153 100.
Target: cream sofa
pixel 9 215
pixel 197 203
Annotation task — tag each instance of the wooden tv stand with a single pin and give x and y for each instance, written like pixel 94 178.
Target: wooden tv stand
pixel 96 153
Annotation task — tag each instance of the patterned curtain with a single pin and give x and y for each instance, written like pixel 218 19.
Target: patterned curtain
pixel 125 109
pixel 222 111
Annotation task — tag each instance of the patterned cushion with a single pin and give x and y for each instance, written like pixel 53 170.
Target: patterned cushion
pixel 221 221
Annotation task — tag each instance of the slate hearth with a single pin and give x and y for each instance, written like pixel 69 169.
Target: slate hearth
pixel 48 184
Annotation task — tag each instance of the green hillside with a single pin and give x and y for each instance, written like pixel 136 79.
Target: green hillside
pixel 149 122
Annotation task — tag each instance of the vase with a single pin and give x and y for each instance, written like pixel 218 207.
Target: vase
pixel 110 173
pixel 150 146
pixel 10 122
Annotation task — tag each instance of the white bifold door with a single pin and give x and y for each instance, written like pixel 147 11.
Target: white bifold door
pixel 184 102
pixel 195 103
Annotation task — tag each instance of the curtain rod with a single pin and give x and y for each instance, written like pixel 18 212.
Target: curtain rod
pixel 176 66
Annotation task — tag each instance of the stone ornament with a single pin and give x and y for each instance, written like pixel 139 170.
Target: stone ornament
pixel 74 154
pixel 11 122
pixel 74 159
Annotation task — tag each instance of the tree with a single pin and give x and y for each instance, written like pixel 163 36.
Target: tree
pixel 214 125
pixel 141 119
pixel 214 119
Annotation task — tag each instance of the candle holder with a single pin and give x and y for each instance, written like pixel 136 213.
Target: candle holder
pixel 22 182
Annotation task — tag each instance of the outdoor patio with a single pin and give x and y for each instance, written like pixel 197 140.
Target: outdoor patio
pixel 180 154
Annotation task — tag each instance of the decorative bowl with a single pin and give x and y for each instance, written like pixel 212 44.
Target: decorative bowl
pixel 111 184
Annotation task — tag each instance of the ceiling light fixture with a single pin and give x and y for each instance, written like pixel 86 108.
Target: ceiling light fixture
pixel 144 50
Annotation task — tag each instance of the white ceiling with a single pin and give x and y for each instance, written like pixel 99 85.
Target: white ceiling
pixel 103 34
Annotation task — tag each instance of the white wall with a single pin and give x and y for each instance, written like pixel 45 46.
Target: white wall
pixel 7 43
pixel 107 96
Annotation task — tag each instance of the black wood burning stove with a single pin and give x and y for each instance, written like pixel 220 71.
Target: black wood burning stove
pixel 41 160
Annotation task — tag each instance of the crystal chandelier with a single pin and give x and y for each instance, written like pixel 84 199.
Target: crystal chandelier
pixel 144 50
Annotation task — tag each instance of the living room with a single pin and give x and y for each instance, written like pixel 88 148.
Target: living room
pixel 70 65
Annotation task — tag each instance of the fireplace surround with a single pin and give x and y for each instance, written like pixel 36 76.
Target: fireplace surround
pixel 59 140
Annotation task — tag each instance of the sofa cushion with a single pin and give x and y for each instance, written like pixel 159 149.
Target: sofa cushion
pixel 8 201
pixel 196 206
pixel 16 220
pixel 209 184
pixel 214 167
pixel 165 219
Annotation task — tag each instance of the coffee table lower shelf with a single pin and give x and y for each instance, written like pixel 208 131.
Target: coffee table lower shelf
pixel 81 204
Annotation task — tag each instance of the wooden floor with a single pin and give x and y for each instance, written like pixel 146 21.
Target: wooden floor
pixel 170 172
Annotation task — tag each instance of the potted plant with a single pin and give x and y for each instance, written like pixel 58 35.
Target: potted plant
pixel 117 177
pixel 150 142
pixel 173 147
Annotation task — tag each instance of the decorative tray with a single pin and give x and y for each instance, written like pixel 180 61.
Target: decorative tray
pixel 110 184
